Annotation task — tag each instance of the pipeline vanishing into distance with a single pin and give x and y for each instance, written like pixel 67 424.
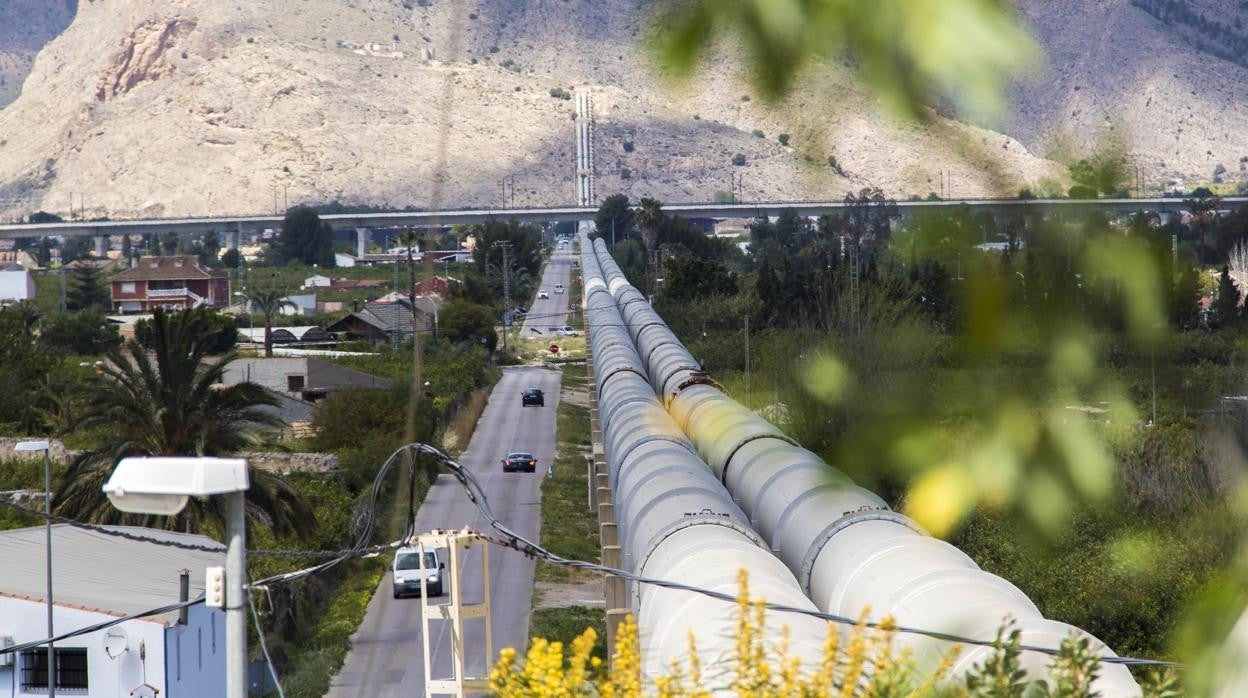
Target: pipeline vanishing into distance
pixel 705 487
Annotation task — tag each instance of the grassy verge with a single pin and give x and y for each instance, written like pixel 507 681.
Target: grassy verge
pixel 320 656
pixel 464 422
pixel 569 528
pixel 565 624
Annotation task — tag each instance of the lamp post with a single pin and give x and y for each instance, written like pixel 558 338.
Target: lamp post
pixel 162 486
pixel 28 447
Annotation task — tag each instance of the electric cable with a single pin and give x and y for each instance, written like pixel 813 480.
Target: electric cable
pixel 515 541
pixel 100 626
pixel 219 548
pixel 264 647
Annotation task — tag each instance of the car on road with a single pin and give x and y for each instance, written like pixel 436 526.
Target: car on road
pixel 406 569
pixel 559 288
pixel 541 294
pixel 532 396
pixel 519 462
pixel 565 331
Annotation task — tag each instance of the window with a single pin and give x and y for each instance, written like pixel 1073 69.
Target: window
pixel 71 668
pixel 127 287
pixel 294 383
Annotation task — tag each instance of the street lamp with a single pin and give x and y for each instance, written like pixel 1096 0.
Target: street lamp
pixel 46 447
pixel 162 486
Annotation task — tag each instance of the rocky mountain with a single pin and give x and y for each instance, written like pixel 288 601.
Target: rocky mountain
pixel 192 107
pixel 25 26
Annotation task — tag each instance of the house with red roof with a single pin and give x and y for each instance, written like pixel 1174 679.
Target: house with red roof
pixel 173 283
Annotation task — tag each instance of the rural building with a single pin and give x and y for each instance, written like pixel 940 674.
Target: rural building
pixel 439 286
pixel 16 283
pixel 316 280
pixel 174 283
pixel 389 319
pixel 98 578
pixel 297 377
pixel 733 228
pixel 21 257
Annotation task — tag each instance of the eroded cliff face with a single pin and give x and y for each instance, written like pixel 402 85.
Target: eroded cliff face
pixel 194 107
pixel 142 56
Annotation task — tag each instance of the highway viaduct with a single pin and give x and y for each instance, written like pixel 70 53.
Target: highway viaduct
pixel 364 223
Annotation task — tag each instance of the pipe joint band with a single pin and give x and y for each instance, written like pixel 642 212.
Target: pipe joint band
pixel 690 519
pixel 723 476
pixel 853 517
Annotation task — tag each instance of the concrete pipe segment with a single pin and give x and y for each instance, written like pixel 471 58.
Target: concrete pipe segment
pixel 676 521
pixel 846 547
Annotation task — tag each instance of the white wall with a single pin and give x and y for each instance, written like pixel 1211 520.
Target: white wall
pixel 16 285
pixel 26 620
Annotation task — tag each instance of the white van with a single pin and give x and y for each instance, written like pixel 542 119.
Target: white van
pixel 406 570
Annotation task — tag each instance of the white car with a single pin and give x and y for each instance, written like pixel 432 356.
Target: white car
pixel 558 288
pixel 406 569
pixel 566 331
pixel 542 294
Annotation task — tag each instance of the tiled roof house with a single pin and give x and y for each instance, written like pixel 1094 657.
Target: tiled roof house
pixel 169 282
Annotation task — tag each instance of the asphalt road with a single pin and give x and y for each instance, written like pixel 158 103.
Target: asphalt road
pixel 386 654
pixel 551 312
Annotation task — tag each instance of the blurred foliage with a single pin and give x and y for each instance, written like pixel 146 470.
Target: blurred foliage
pixel 912 55
pixel 1052 401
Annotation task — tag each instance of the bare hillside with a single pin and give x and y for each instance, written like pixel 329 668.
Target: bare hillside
pixel 25 27
pixel 192 107
pixel 1118 72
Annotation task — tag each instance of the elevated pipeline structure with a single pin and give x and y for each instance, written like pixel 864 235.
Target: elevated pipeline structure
pixel 675 520
pixel 846 547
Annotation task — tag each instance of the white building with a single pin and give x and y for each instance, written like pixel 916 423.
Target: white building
pixel 97 578
pixel 317 280
pixel 16 283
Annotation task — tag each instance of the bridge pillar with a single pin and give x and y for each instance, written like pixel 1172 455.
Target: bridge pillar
pixel 363 240
pixel 232 239
pixel 101 246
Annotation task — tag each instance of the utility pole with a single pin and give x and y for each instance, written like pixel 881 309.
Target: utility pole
pixel 747 357
pixel 505 246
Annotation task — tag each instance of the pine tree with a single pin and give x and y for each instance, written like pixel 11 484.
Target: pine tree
pixel 1226 305
pixel 87 289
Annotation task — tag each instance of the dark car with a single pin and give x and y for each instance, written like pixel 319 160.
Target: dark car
pixel 519 462
pixel 532 396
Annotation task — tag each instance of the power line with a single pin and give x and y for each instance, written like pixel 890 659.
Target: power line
pixel 515 541
pixel 519 543
pixel 99 626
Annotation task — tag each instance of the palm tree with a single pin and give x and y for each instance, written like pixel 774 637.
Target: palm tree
pixel 649 218
pixel 172 403
pixel 269 303
pixel 409 238
pixel 1203 206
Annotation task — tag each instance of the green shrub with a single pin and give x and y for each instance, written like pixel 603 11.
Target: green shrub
pixel 784 139
pixel 82 334
pixel 738 159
